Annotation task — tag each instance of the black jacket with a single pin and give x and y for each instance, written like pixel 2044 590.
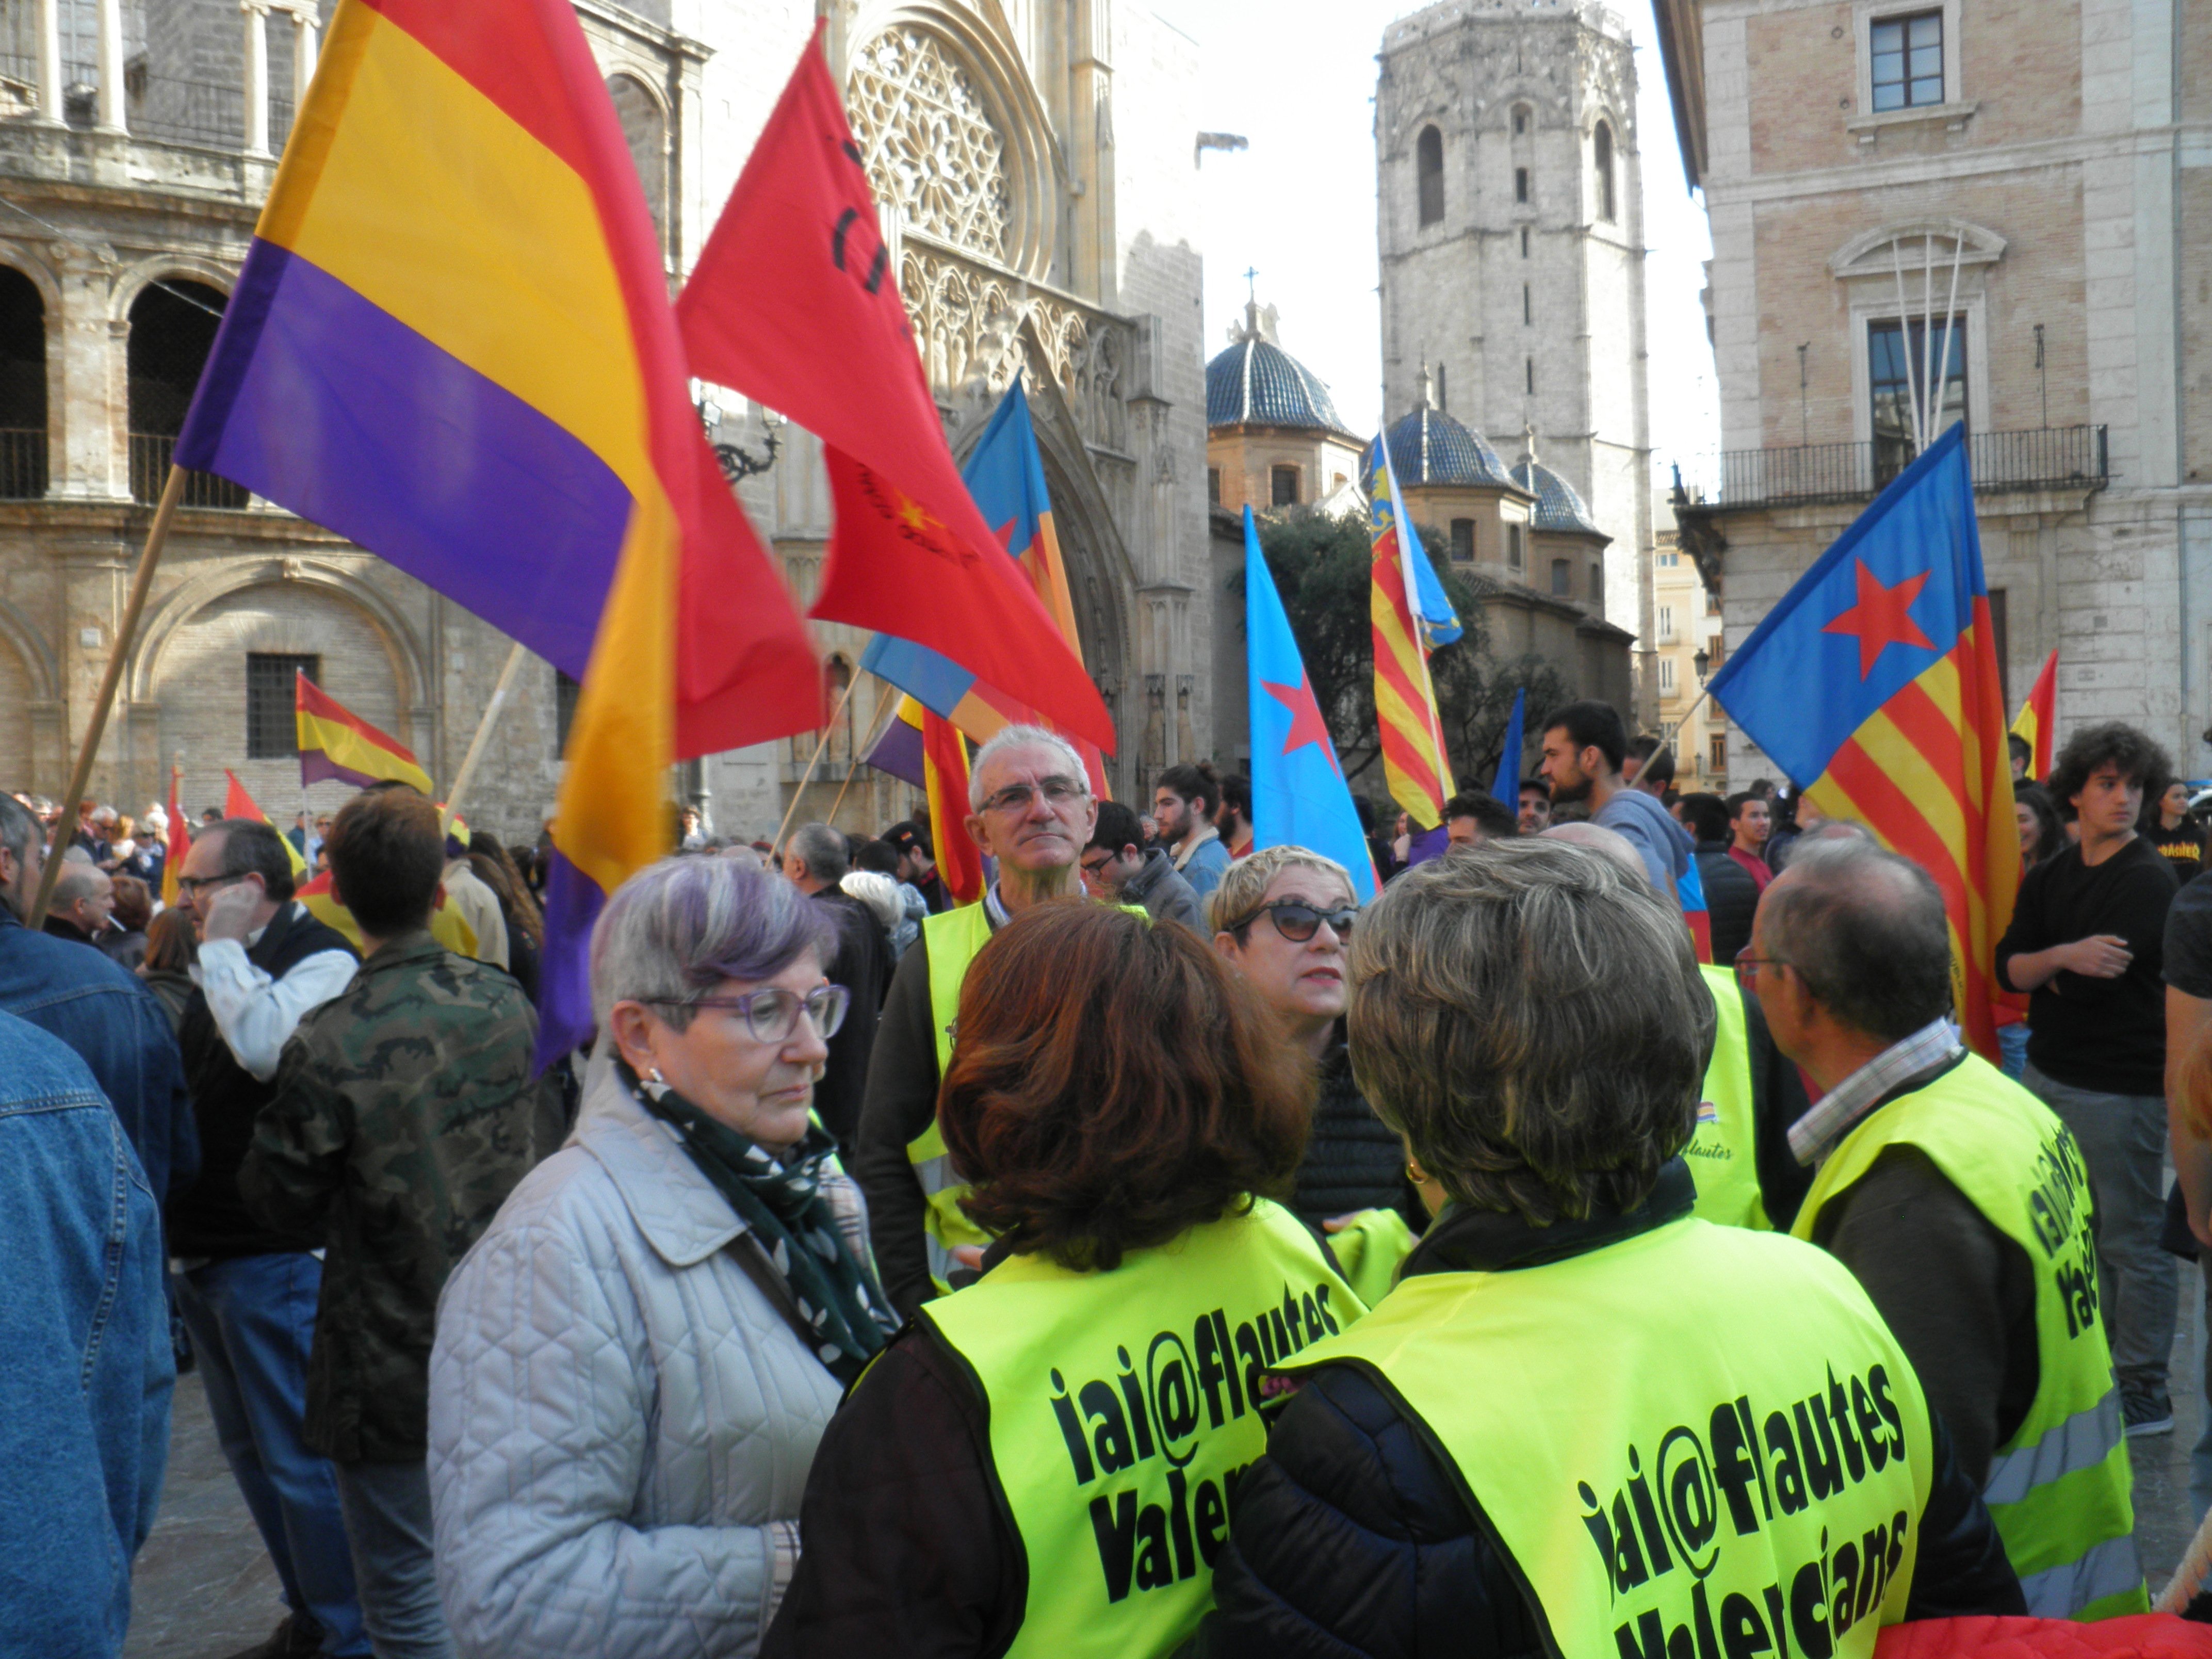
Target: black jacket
pixel 863 966
pixel 1731 896
pixel 1353 1162
pixel 1350 1538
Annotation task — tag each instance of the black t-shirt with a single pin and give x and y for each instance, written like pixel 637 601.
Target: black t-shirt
pixel 2189 941
pixel 2105 1035
pixel 2183 847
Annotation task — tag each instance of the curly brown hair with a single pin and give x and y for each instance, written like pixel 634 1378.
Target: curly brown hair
pixel 1114 1085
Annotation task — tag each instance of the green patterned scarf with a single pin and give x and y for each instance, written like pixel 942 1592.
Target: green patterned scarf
pixel 781 1201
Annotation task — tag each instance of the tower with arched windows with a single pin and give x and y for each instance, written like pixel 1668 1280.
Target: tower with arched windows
pixel 1510 227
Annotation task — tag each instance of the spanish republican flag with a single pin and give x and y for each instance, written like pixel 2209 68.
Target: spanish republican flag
pixel 945 757
pixel 1874 685
pixel 2037 720
pixel 337 744
pixel 452 342
pixel 237 804
pixel 180 839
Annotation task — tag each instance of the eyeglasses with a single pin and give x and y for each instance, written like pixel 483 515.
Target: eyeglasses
pixel 193 886
pixel 772 1013
pixel 1747 967
pixel 1057 792
pixel 1092 866
pixel 1299 921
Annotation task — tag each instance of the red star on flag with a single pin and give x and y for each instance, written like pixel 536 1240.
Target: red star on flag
pixel 1882 617
pixel 1306 724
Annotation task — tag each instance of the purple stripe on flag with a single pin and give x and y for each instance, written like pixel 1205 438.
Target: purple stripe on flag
pixel 1428 844
pixel 317 767
pixel 899 753
pixel 330 406
pixel 572 903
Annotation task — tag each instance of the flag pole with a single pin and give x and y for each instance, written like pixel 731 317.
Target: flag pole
pixel 453 807
pixel 875 736
pixel 807 776
pixel 157 534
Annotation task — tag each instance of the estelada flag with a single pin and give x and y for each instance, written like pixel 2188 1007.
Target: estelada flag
pixel 337 745
pixel 180 839
pixel 794 303
pixel 2037 723
pixel 1874 685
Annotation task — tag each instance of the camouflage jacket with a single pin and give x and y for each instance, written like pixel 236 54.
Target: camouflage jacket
pixel 402 1118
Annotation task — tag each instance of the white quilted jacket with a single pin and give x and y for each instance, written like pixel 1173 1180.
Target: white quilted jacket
pixel 618 1412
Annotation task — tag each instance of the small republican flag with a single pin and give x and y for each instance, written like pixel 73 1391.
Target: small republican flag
pixel 337 744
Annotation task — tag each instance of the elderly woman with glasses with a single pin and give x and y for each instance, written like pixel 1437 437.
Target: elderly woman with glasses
pixel 636 1362
pixel 1283 918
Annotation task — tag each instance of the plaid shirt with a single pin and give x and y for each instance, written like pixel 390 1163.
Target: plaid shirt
pixel 1816 1134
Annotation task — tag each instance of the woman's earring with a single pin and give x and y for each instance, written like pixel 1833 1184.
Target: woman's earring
pixel 1416 1174
pixel 653 1075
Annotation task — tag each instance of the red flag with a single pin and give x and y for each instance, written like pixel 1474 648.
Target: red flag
pixel 793 303
pixel 945 757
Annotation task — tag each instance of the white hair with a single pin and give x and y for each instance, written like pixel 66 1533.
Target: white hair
pixel 1021 737
pixel 879 893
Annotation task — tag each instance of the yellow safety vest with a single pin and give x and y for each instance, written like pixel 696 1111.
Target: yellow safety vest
pixel 1370 1249
pixel 1699 1440
pixel 1124 1408
pixel 2061 1488
pixel 1722 1152
pixel 955 936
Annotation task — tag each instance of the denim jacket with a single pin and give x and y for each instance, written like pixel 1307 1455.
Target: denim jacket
pixel 117 1027
pixel 85 1367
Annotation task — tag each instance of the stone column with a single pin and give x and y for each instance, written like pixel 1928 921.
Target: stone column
pixel 303 57
pixel 110 44
pixel 257 76
pixel 53 106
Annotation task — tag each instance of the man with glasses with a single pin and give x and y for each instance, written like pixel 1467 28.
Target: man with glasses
pixel 1961 1203
pixel 1034 813
pixel 1118 867
pixel 246 1289
pixel 403 1112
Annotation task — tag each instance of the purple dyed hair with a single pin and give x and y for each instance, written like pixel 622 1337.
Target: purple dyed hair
pixel 678 928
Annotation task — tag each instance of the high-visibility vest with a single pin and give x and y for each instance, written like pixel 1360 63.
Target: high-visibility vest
pixel 1722 1153
pixel 2060 1489
pixel 1700 1440
pixel 1124 1406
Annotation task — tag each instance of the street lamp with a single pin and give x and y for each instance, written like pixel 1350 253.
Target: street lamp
pixel 1703 662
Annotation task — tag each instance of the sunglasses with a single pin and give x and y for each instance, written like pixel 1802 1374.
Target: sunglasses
pixel 1299 921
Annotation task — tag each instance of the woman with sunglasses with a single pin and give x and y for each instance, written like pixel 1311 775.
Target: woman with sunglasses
pixel 635 1364
pixel 1283 919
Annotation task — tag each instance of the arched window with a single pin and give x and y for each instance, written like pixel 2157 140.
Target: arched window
pixel 1429 167
pixel 646 130
pixel 173 326
pixel 1603 149
pixel 1284 486
pixel 23 387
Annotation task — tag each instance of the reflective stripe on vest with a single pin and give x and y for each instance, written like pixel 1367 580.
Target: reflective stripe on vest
pixel 1123 1410
pixel 1700 1440
pixel 2059 1489
pixel 1722 1153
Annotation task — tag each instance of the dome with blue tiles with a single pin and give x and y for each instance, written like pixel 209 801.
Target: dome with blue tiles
pixel 1256 383
pixel 1429 447
pixel 1558 506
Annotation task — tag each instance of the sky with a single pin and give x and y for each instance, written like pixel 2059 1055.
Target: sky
pixel 1296 78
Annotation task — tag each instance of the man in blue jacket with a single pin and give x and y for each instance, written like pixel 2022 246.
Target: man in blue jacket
pixel 1584 745
pixel 84 1394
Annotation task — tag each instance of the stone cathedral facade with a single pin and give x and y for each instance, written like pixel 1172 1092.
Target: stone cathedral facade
pixel 1038 176
pixel 1510 212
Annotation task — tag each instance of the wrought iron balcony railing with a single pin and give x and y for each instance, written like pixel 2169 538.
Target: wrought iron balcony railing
pixel 149 471
pixel 22 463
pixel 2040 458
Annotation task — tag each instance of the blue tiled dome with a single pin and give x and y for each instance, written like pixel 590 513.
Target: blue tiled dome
pixel 1558 506
pixel 1429 447
pixel 1257 383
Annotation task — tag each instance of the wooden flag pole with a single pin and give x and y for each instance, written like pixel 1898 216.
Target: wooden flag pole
pixel 875 736
pixel 158 533
pixel 453 807
pixel 807 776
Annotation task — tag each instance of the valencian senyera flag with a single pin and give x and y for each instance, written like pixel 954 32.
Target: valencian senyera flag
pixel 2037 723
pixel 452 342
pixel 1874 685
pixel 1299 797
pixel 1408 621
pixel 1005 475
pixel 337 745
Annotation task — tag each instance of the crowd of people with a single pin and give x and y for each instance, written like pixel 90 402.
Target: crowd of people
pixel 1165 1254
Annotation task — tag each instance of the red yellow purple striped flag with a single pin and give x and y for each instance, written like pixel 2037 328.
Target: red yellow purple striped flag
pixel 337 745
pixel 1874 684
pixel 1414 760
pixel 453 342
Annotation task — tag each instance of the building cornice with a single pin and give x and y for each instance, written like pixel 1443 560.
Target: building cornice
pixel 1978 162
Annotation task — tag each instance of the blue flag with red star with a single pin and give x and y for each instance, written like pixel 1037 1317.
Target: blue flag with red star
pixel 1299 797
pixel 1874 684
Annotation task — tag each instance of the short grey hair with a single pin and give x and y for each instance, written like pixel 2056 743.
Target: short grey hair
pixel 1831 832
pixel 678 928
pixel 825 853
pixel 1021 737
pixel 1236 900
pixel 78 881
pixel 1533 1023
pixel 1606 843
pixel 19 826
pixel 1865 932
